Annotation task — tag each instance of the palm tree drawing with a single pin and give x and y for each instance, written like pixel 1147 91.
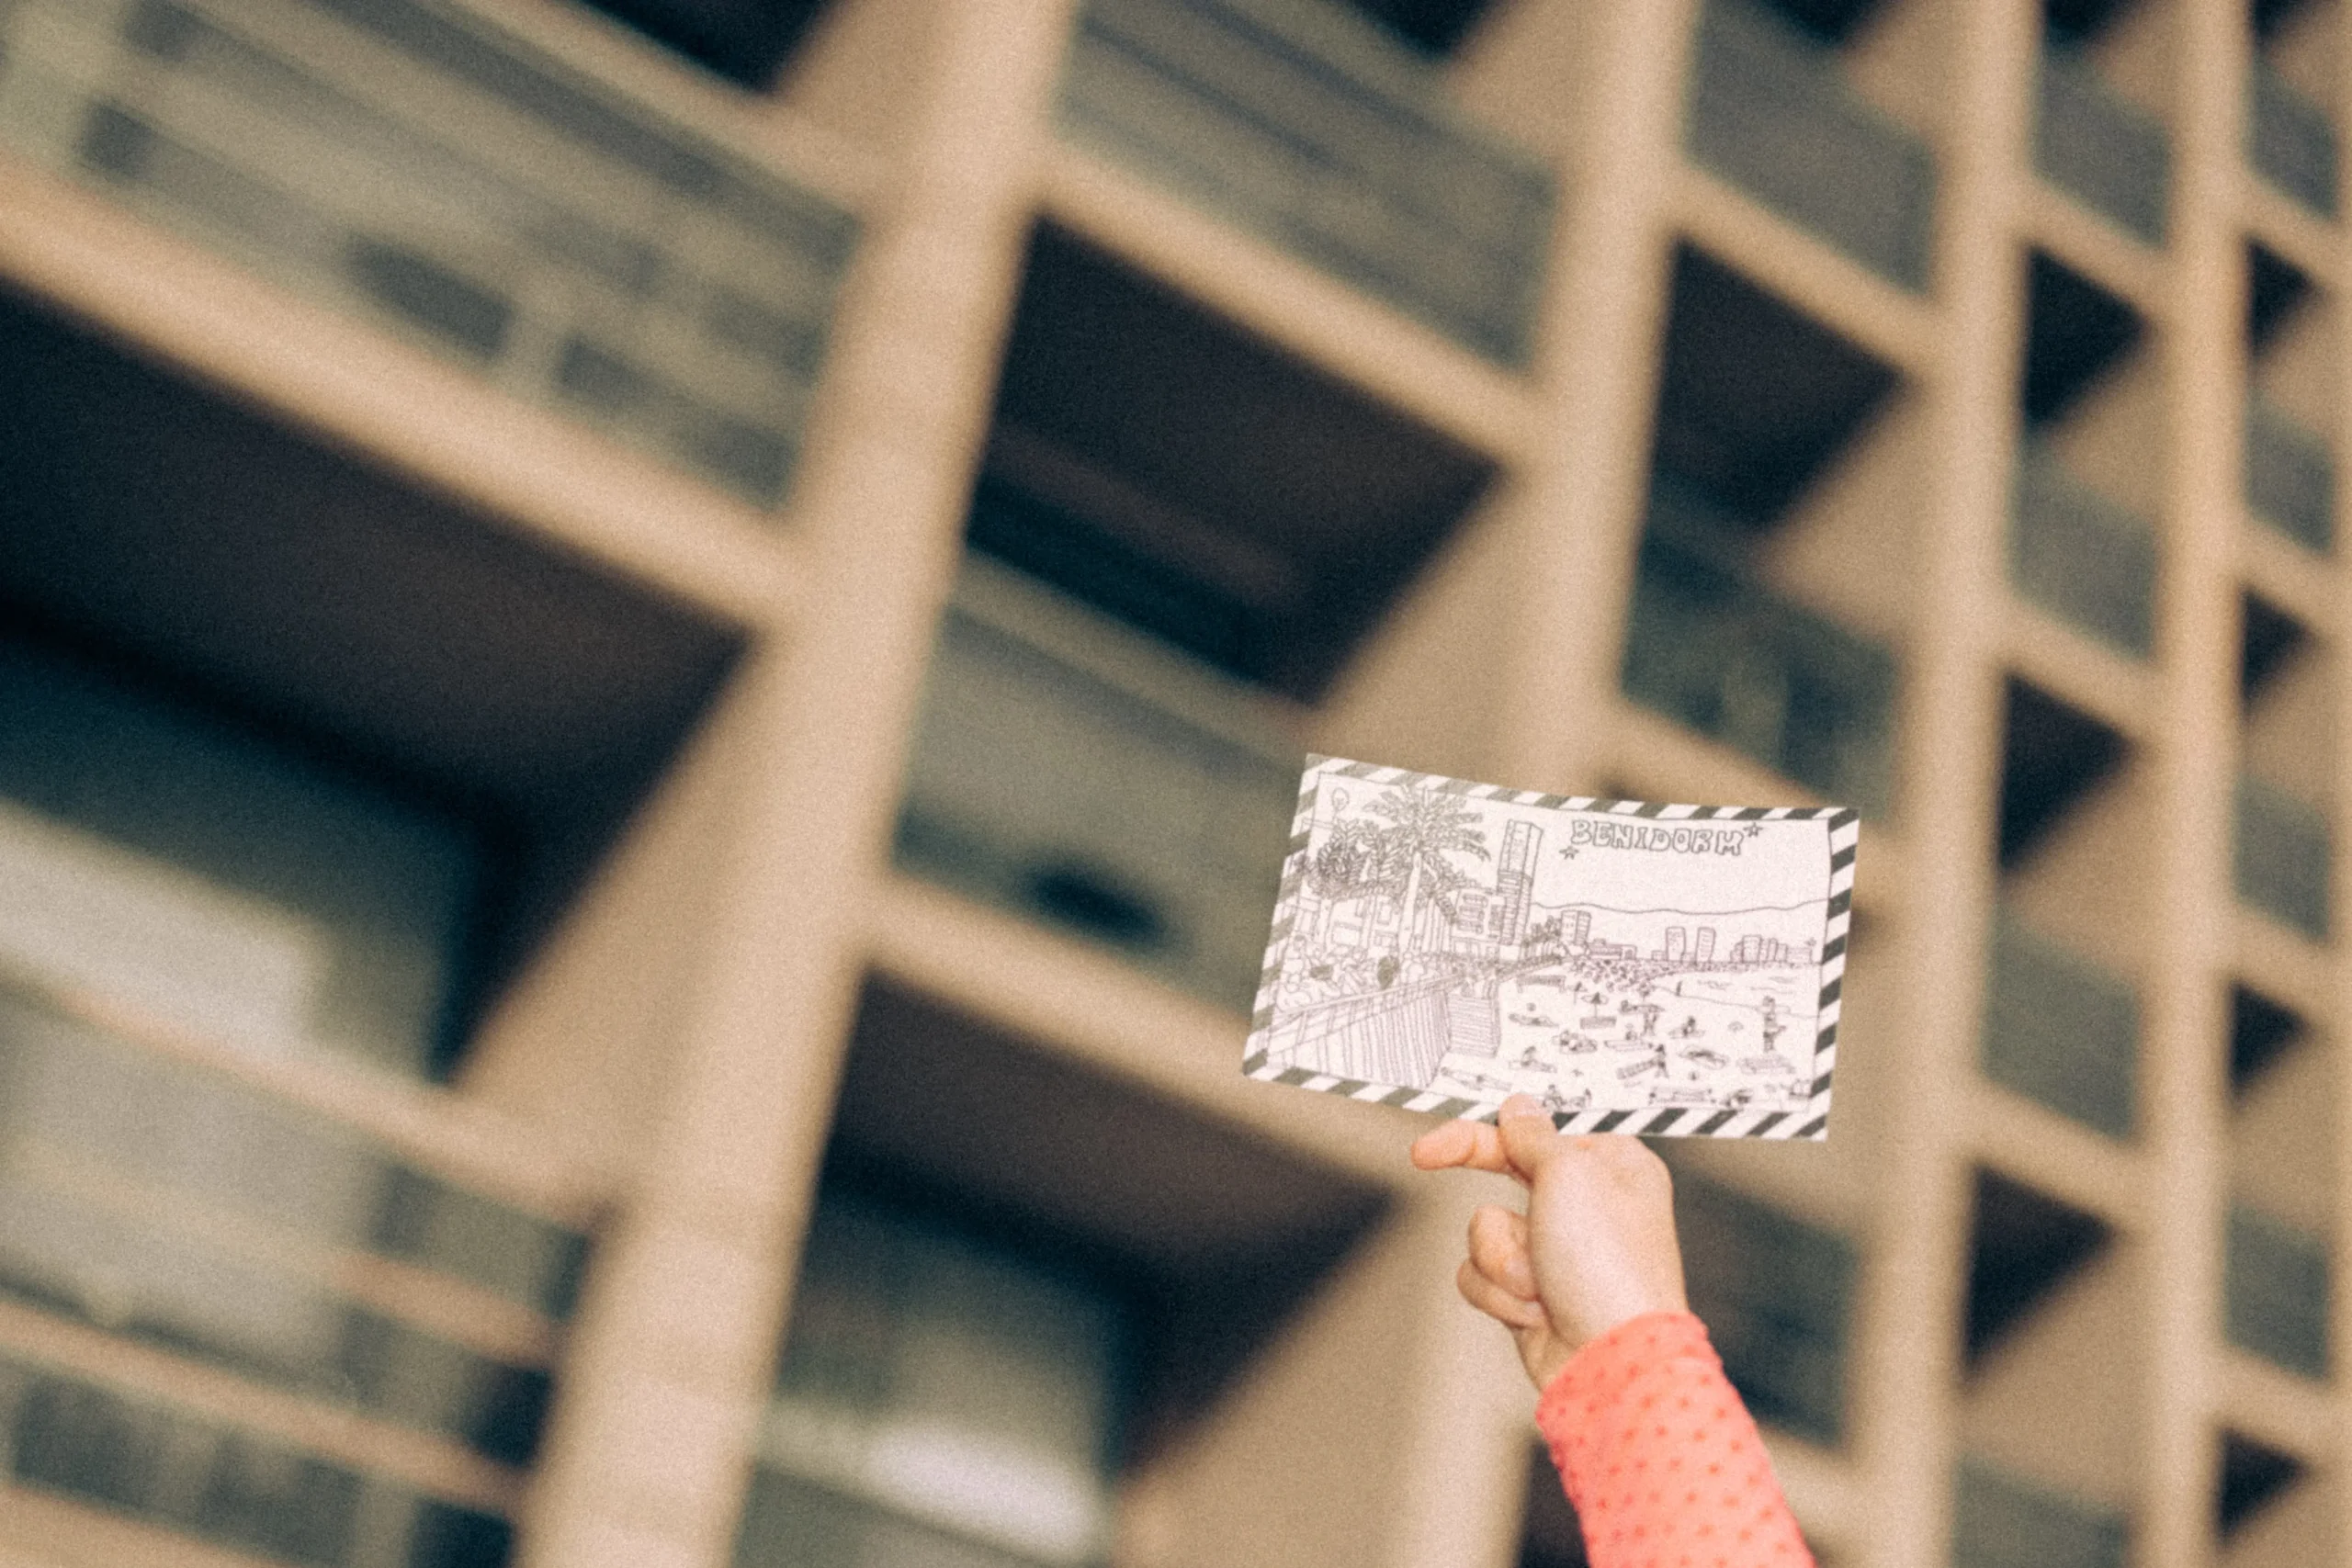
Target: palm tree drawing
pixel 1424 827
pixel 1354 862
pixel 1351 862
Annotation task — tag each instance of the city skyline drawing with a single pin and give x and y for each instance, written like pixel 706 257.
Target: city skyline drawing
pixel 1440 945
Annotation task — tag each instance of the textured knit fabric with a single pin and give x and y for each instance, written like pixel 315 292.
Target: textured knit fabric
pixel 1661 1459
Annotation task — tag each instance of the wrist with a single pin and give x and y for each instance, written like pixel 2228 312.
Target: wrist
pixel 1544 1355
pixel 1644 1337
pixel 1545 1350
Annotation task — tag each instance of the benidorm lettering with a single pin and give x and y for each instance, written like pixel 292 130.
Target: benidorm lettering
pixel 1656 836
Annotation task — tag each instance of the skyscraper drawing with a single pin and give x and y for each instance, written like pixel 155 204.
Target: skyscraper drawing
pixel 1515 879
pixel 1704 952
pixel 1674 937
pixel 1472 915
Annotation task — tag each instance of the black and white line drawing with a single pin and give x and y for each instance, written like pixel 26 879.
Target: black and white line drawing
pixel 1640 967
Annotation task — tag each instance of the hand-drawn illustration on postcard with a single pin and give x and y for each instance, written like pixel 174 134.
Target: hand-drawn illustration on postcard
pixel 1440 945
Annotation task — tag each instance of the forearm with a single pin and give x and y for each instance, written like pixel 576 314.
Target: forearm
pixel 1660 1457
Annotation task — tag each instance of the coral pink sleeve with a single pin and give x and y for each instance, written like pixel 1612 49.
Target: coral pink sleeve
pixel 1661 1459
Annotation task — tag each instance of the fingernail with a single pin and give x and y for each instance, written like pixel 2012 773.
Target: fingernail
pixel 1523 1105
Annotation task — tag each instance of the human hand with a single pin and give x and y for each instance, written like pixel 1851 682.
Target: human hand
pixel 1596 1247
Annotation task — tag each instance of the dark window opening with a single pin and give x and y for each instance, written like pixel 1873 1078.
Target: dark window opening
pixel 2253 1476
pixel 2261 1031
pixel 2022 1245
pixel 2076 333
pixel 746 42
pixel 2053 756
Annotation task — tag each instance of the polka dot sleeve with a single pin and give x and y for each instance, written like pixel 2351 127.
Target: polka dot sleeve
pixel 1660 1457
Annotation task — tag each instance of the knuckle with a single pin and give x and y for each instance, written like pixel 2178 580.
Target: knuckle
pixel 1638 1160
pixel 1490 1241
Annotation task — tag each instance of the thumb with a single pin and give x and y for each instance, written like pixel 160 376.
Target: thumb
pixel 1529 1139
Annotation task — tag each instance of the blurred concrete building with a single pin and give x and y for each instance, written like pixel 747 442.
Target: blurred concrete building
pixel 655 656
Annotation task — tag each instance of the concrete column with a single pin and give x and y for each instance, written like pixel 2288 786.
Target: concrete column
pixel 672 1353
pixel 2184 1002
pixel 1580 490
pixel 1907 1332
pixel 1458 1486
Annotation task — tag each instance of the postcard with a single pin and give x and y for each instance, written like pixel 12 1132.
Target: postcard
pixel 1639 967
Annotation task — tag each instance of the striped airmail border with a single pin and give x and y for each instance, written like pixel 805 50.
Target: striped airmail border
pixel 1812 1122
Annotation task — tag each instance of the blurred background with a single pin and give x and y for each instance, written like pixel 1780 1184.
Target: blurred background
pixel 653 658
